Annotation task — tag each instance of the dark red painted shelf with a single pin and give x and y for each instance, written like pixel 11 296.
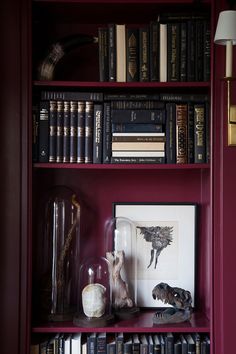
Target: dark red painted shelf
pixel 97 84
pixel 139 324
pixel 122 166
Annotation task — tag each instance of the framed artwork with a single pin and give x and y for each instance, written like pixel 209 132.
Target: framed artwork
pixel 164 244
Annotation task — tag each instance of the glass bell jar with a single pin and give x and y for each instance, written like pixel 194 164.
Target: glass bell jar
pixel 58 241
pixel 122 256
pixel 94 294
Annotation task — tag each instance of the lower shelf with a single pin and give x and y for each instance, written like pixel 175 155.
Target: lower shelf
pixel 138 324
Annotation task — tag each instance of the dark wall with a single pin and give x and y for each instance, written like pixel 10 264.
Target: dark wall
pixel 10 175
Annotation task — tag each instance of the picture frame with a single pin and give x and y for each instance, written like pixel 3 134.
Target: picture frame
pixel 165 247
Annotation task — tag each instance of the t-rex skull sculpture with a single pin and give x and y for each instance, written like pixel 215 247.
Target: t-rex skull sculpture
pixel 180 299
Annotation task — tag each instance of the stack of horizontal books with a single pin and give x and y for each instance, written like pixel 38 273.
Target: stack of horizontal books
pixel 137 135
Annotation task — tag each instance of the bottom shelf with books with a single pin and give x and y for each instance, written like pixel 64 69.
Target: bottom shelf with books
pixel 122 343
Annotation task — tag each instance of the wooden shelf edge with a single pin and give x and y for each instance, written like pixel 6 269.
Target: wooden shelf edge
pixel 121 166
pixel 141 323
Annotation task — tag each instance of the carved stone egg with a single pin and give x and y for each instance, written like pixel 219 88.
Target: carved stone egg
pixel 94 300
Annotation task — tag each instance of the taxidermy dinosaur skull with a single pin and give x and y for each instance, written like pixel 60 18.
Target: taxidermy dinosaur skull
pixel 180 299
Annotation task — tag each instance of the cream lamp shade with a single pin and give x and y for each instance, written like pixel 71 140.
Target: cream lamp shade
pixel 226 35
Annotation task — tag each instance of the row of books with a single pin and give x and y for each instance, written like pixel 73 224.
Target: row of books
pixel 118 343
pixel 168 49
pixel 161 128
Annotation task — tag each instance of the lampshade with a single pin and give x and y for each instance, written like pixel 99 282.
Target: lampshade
pixel 226 28
pixel 226 35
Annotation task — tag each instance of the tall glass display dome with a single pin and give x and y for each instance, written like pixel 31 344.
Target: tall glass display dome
pixel 58 250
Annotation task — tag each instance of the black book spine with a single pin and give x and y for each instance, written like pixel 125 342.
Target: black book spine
pixel 199 51
pixel 97 133
pixel 137 104
pixel 35 132
pixel 73 130
pixel 172 97
pixel 183 51
pixel 169 343
pixel 191 50
pixel 88 150
pixel 81 132
pixel 66 132
pixel 207 51
pixel 132 55
pixel 181 134
pixel 156 116
pixel 103 53
pixel 112 52
pixel 173 44
pixel 170 133
pixel 199 133
pixel 53 131
pixel 154 50
pixel 44 109
pixel 131 96
pixel 144 54
pixel 190 133
pixel 106 136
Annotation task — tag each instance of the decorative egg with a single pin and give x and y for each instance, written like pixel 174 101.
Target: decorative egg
pixel 94 300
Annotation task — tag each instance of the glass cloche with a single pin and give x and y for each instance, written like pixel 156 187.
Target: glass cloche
pixel 122 255
pixel 94 294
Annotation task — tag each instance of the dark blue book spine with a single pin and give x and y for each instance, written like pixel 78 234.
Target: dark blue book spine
pixel 88 150
pixel 66 132
pixel 60 114
pixel 52 131
pixel 44 131
pixel 73 130
pixel 81 132
pixel 156 116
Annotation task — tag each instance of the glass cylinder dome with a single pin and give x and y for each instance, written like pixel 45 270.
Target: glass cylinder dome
pixel 58 242
pixel 122 255
pixel 94 294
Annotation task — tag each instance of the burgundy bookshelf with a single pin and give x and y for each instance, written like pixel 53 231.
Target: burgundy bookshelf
pixel 210 186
